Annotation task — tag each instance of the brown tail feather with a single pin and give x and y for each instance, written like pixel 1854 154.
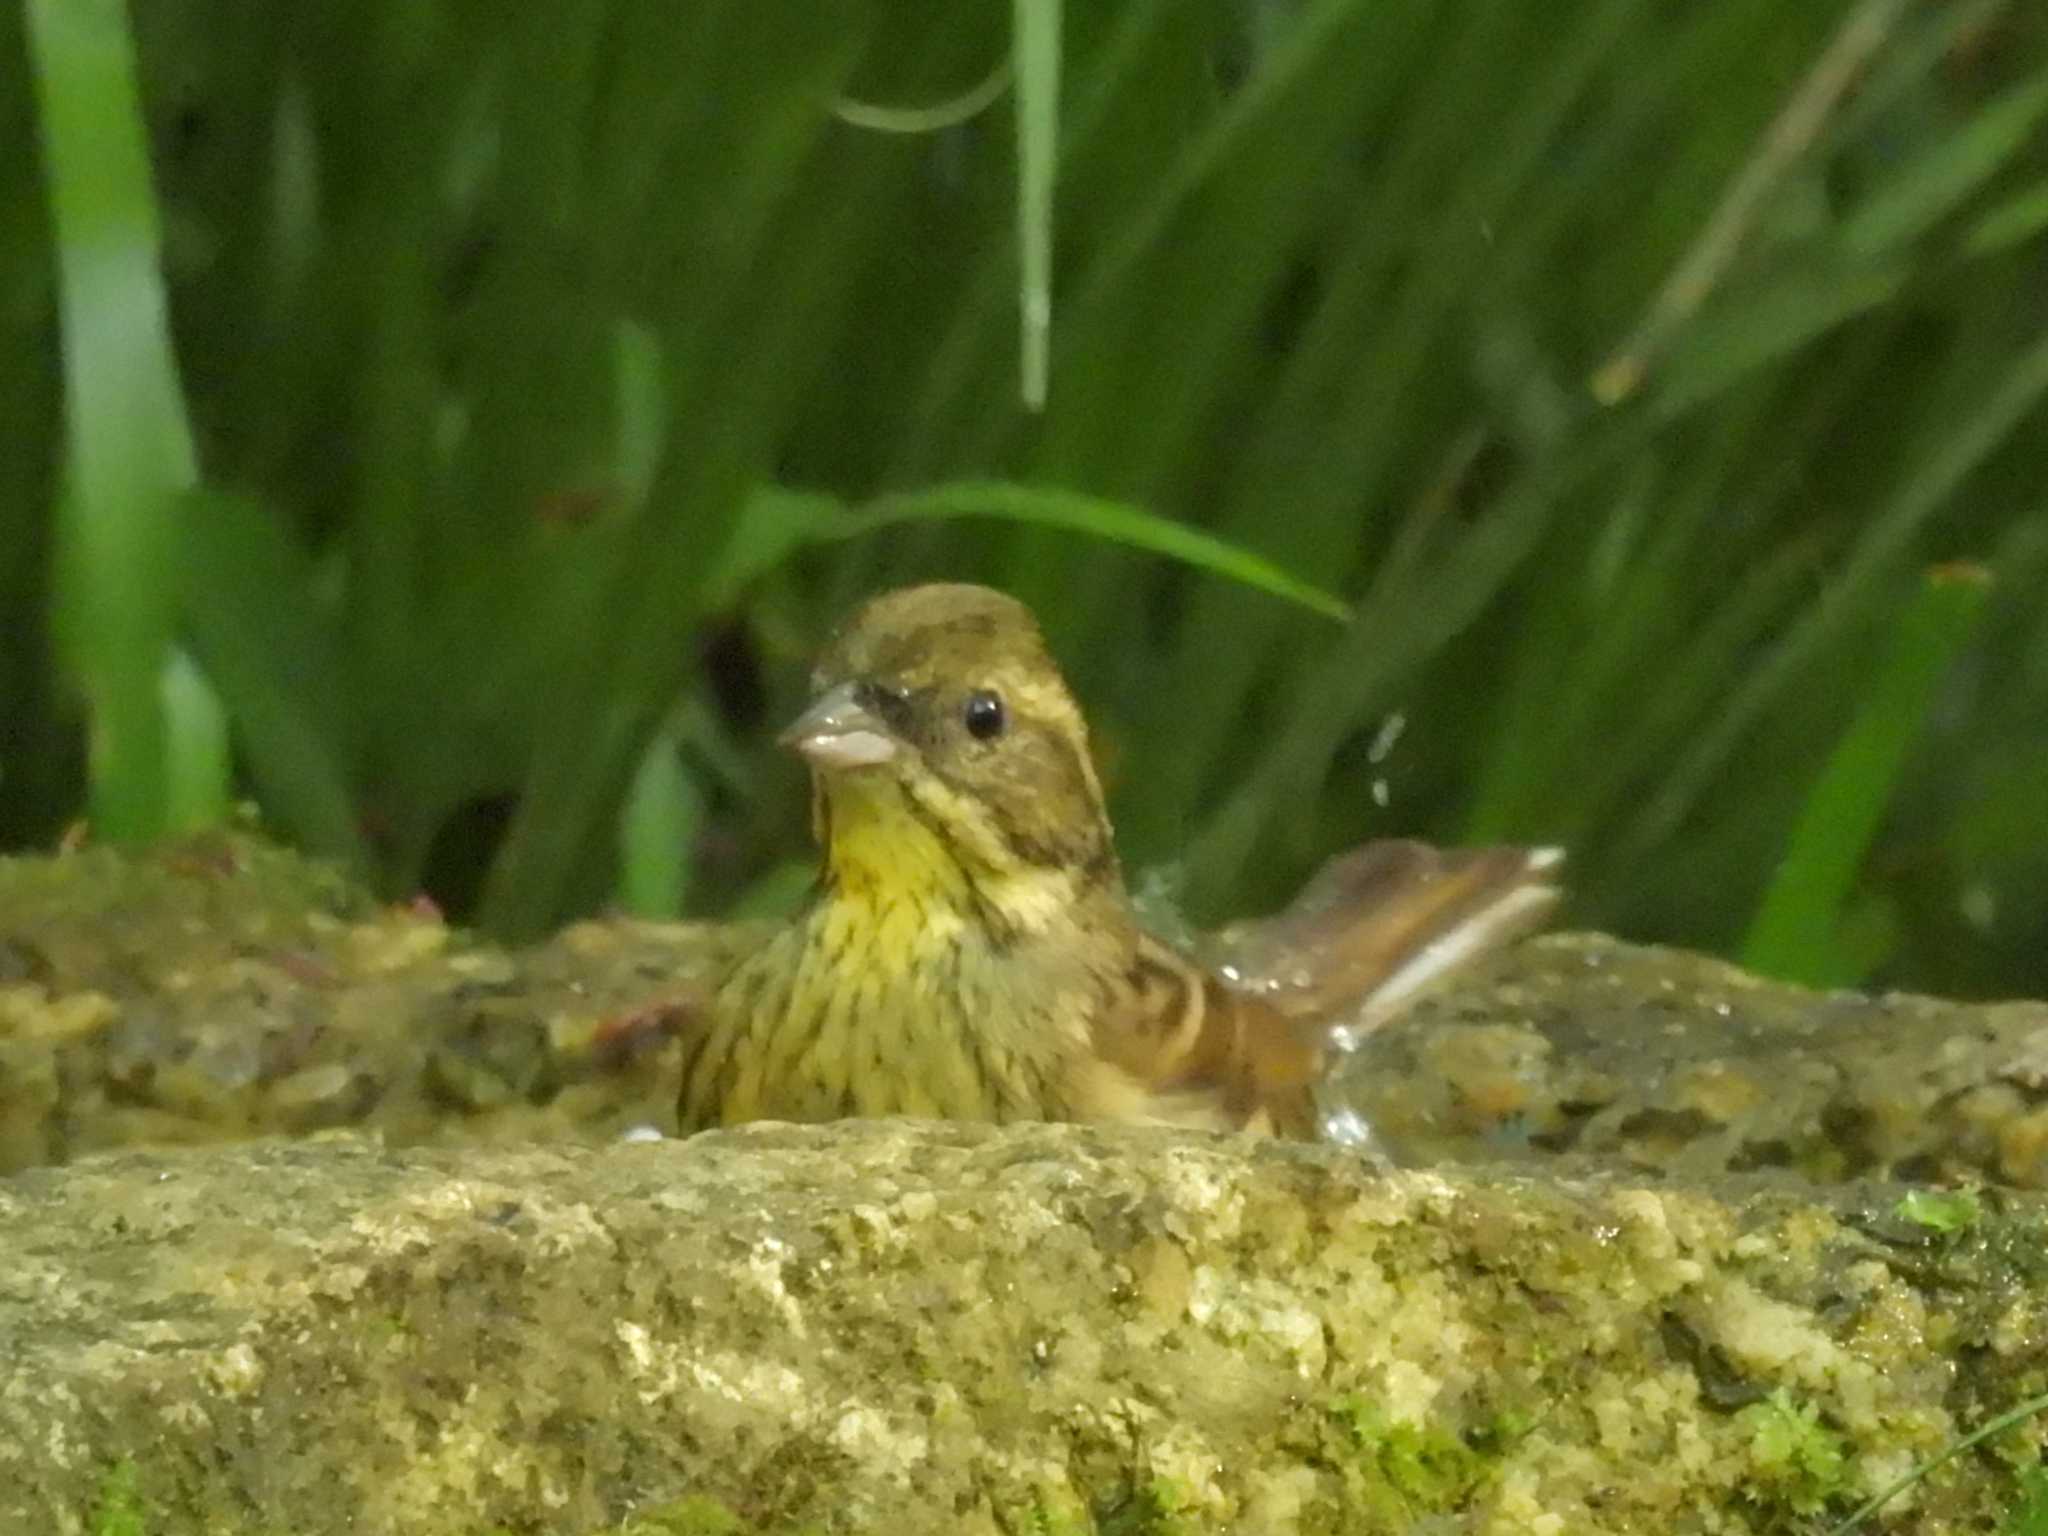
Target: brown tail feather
pixel 1241 1040
pixel 1384 922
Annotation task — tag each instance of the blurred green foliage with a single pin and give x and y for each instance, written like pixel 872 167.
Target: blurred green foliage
pixel 547 379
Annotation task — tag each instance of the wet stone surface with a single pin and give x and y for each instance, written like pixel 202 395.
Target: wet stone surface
pixel 315 1213
pixel 905 1327
pixel 1662 1062
pixel 226 989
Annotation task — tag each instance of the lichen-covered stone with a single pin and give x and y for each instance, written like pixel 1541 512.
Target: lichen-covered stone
pixel 908 1328
pixel 223 989
pixel 900 1328
pixel 1657 1060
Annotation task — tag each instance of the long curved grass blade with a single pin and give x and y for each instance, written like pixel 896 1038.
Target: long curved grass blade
pixel 1794 932
pixel 879 117
pixel 777 522
pixel 1103 518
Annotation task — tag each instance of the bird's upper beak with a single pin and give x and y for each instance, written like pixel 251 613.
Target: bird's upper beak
pixel 838 731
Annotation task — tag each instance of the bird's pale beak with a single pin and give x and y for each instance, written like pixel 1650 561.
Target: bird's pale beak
pixel 838 731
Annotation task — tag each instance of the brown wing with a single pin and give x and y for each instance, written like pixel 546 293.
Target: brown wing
pixel 1242 1045
pixel 1178 1046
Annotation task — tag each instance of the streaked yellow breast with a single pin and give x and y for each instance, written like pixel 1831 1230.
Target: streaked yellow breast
pixel 910 987
pixel 891 1006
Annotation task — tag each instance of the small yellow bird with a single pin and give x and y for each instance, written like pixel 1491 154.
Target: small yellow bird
pixel 970 952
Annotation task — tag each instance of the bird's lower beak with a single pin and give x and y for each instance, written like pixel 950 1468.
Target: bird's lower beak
pixel 838 731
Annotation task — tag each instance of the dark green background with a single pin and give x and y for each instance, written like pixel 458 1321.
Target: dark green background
pixel 499 332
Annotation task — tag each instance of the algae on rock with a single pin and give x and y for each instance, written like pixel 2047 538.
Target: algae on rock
pixel 1626 1299
pixel 223 989
pixel 902 1327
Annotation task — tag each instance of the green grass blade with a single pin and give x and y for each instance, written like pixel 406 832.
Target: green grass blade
pixel 251 617
pixel 798 202
pixel 197 759
pixel 129 449
pixel 657 828
pixel 1733 342
pixel 1339 450
pixel 1036 50
pixel 882 117
pixel 1793 935
pixel 38 779
pixel 2017 219
pixel 1112 119
pixel 1948 171
pixel 774 523
pixel 1802 120
pixel 777 522
pixel 2011 399
pixel 1989 1429
pixel 1102 518
pixel 641 410
pixel 1387 639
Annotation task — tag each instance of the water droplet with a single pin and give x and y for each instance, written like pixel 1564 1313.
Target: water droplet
pixel 1346 1126
pixel 1980 906
pixel 1389 733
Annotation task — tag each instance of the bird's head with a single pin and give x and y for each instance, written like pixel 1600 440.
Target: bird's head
pixel 940 731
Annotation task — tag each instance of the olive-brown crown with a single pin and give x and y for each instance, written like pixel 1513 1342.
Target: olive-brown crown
pixel 961 676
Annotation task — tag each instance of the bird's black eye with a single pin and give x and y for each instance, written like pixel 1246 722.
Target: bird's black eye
pixel 984 714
